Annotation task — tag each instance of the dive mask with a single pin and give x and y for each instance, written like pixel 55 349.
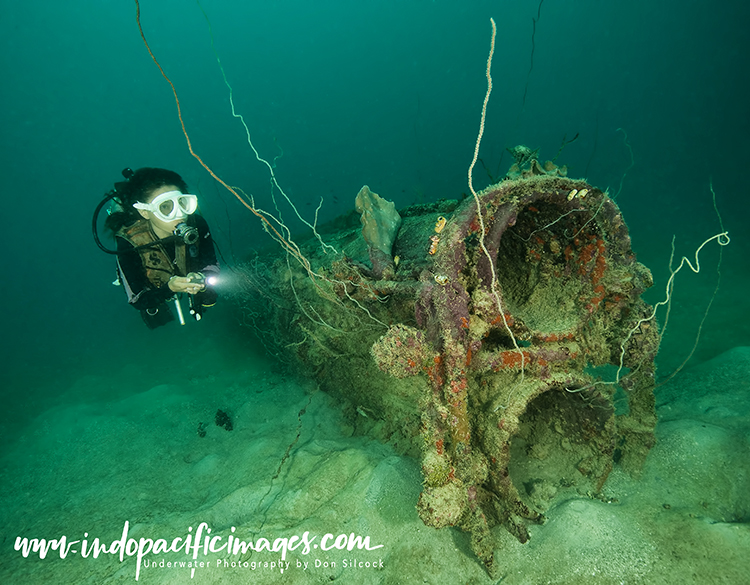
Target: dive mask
pixel 170 205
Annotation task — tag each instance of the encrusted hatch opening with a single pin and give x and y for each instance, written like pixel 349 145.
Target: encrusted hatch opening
pixel 539 263
pixel 564 441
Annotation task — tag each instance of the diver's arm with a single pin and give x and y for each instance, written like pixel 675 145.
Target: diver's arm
pixel 206 263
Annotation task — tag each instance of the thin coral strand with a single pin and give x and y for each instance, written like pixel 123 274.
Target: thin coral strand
pixel 493 284
pixel 289 246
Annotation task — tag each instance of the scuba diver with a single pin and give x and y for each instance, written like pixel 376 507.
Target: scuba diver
pixel 164 248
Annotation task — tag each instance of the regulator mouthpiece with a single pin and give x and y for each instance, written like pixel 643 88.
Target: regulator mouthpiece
pixel 187 233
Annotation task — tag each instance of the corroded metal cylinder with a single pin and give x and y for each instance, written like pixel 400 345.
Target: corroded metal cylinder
pixel 506 350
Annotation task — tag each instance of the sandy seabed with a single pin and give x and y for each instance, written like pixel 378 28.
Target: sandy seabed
pixel 133 469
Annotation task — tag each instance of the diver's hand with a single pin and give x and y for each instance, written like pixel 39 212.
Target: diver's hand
pixel 186 284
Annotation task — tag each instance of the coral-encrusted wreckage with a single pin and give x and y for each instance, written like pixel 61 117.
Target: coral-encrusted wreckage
pixel 506 391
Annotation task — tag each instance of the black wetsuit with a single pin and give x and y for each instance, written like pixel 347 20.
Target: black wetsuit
pixel 150 299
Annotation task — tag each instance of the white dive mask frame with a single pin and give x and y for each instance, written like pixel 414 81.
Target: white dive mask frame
pixel 182 205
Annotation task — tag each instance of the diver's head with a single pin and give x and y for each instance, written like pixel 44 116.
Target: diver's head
pixel 157 195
